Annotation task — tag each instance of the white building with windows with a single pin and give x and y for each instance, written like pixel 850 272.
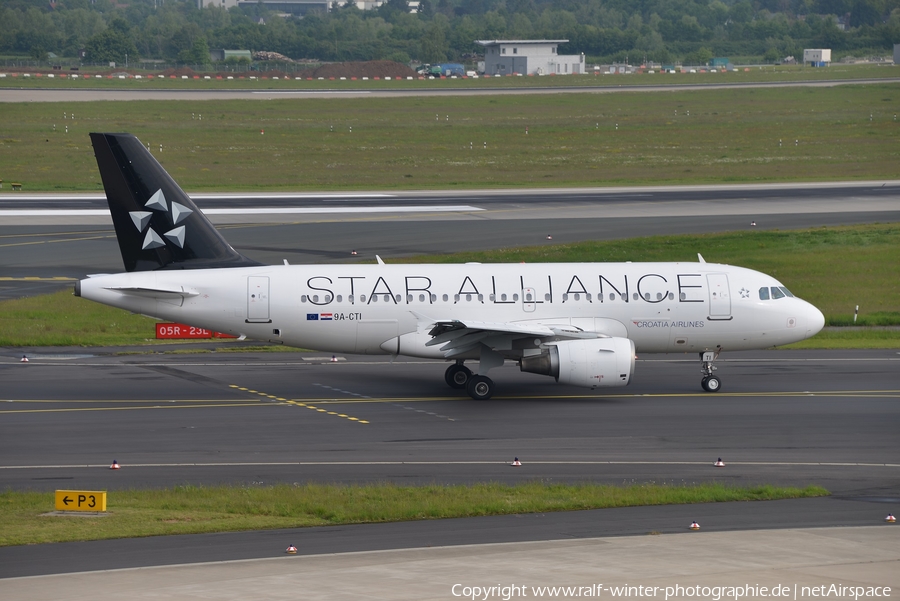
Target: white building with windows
pixel 529 57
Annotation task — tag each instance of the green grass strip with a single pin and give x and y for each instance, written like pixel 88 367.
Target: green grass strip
pixel 193 510
pixel 464 142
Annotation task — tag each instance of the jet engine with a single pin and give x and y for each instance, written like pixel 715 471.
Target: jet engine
pixel 600 362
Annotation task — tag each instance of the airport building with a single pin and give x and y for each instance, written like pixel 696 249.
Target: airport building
pixel 818 57
pixel 529 57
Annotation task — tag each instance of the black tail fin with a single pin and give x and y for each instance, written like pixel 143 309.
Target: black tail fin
pixel 157 224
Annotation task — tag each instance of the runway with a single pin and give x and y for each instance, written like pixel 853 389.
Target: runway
pixel 49 241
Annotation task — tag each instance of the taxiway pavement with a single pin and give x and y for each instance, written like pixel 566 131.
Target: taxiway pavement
pixel 784 417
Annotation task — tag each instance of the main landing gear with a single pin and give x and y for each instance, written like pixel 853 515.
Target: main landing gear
pixel 710 383
pixel 457 375
pixel 461 377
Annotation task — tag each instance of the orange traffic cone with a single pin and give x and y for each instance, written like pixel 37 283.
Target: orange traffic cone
pixel 890 519
pixel 291 550
pixel 24 359
pixel 719 463
pixel 695 526
pixel 115 465
pixel 516 462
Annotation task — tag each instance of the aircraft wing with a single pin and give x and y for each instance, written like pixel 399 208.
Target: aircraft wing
pixel 459 337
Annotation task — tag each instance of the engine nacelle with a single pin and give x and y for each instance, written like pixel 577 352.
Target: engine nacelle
pixel 600 362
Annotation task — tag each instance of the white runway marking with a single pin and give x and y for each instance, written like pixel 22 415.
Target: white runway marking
pixel 364 463
pixel 253 211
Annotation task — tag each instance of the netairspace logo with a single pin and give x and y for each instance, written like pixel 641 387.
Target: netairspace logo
pixel 714 593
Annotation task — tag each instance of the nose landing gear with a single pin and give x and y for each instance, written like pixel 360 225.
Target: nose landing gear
pixel 710 383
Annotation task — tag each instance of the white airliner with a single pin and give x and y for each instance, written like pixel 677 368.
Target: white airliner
pixel 578 322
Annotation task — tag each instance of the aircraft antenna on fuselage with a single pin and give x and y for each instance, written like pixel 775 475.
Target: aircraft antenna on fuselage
pixel 700 258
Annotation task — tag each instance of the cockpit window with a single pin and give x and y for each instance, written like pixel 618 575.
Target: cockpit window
pixel 777 293
pixel 787 292
pixel 764 293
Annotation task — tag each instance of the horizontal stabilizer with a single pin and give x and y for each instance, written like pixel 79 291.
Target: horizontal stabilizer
pixel 160 293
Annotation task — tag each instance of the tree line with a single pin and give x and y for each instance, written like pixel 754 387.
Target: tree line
pixel 445 30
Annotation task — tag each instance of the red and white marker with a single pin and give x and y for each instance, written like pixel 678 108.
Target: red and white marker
pixel 719 463
pixel 292 550
pixel 516 462
pixel 115 465
pixel 695 526
pixel 24 359
pixel 890 519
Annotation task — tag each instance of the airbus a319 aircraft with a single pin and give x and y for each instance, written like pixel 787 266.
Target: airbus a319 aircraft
pixel 580 323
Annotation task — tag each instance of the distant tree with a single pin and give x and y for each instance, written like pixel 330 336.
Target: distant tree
pixel 39 54
pixel 197 54
pixel 112 45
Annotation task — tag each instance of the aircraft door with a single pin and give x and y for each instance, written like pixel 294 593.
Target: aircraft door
pixel 528 299
pixel 258 299
pixel 719 296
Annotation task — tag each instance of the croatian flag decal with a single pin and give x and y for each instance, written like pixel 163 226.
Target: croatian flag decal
pixel 312 317
pixel 325 316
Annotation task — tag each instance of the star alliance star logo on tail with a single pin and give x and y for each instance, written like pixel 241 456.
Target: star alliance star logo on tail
pixel 176 212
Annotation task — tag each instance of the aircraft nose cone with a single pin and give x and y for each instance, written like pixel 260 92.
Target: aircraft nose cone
pixel 815 321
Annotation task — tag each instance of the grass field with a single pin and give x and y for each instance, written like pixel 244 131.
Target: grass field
pixel 833 268
pixel 460 142
pixel 191 510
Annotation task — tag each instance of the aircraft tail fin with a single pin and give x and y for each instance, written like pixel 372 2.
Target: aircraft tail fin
pixel 158 226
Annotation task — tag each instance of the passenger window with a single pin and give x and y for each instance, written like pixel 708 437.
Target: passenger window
pixel 374 298
pixel 445 297
pixel 481 298
pixel 565 297
pixel 577 296
pixel 362 298
pixel 409 298
pixel 787 292
pixel 350 298
pixel 468 298
pixel 671 296
pixel 455 298
pixel 434 298
pixel 777 293
pixel 587 297
pixel 339 298
pixel 515 297
pixel 503 297
pixel 612 296
pixel 547 296
pixel 421 298
pixel 303 299
pixel 763 293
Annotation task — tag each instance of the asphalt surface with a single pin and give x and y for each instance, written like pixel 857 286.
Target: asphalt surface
pixel 784 417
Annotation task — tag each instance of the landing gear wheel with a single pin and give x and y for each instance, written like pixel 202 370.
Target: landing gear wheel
pixel 457 376
pixel 711 384
pixel 480 388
